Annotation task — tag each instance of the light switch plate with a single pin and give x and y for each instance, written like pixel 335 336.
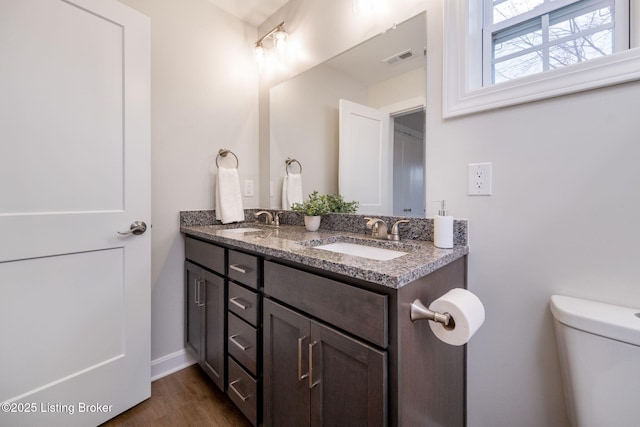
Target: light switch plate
pixel 479 179
pixel 248 188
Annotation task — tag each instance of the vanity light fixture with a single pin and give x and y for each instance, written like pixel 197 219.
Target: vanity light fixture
pixel 363 5
pixel 279 42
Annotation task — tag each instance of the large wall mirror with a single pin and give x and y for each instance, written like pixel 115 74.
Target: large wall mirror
pixel 378 161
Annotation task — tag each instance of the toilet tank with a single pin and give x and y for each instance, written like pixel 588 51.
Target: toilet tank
pixel 599 348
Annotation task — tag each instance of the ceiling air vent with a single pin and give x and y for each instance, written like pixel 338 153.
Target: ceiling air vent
pixel 400 57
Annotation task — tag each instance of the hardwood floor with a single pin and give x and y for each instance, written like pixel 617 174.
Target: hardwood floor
pixel 184 398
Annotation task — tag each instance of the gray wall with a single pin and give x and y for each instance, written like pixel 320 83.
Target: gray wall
pixel 204 96
pixel 565 187
pixel 565 192
pixel 560 221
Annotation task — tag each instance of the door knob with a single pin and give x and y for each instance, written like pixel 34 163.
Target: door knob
pixel 137 228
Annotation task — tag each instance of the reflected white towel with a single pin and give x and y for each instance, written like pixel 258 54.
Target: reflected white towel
pixel 228 196
pixel 294 188
pixel 291 190
pixel 285 186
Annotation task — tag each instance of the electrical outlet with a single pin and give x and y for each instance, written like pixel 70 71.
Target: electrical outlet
pixel 479 179
pixel 248 188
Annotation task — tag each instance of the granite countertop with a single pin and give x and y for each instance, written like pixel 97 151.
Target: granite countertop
pixel 293 243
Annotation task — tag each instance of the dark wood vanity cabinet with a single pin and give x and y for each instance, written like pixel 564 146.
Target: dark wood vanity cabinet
pixel 295 346
pixel 222 320
pixel 244 333
pixel 204 334
pixel 347 353
pixel 329 376
pixel 205 307
pixel 315 375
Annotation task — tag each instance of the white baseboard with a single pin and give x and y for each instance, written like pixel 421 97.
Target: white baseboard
pixel 170 363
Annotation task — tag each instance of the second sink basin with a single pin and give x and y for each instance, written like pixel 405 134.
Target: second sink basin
pixel 364 251
pixel 241 230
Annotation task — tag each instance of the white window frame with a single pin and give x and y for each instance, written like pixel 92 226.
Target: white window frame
pixel 462 74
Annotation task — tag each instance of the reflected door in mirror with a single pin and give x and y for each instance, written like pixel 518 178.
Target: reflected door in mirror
pixel 365 157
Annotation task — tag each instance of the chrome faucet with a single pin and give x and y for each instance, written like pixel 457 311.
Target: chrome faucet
pixel 269 217
pixel 395 235
pixel 276 219
pixel 379 229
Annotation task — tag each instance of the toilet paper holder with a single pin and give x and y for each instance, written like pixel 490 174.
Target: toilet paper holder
pixel 420 312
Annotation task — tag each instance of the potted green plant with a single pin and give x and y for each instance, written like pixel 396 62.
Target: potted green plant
pixel 313 208
pixel 337 204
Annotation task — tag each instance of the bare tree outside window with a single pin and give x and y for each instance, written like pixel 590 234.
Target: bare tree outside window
pixel 552 39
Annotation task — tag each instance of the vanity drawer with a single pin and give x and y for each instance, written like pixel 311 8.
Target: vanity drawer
pixel 243 391
pixel 361 312
pixel 244 303
pixel 243 342
pixel 205 254
pixel 243 268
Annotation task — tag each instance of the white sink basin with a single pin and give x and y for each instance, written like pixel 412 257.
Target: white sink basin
pixel 371 252
pixel 242 230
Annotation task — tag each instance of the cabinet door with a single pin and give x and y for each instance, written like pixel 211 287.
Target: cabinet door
pixel 193 304
pixel 214 337
pixel 348 380
pixel 286 369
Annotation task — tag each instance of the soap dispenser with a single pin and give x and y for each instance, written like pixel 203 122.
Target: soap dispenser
pixel 443 229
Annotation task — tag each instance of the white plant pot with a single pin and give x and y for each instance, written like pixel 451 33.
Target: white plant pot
pixel 312 223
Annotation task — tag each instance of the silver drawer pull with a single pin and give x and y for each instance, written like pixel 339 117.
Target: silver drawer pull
pixel 198 285
pixel 232 338
pixel 235 302
pixel 312 384
pixel 235 390
pixel 301 376
pixel 239 268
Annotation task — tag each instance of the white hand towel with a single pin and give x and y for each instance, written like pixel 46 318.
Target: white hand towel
pixel 285 200
pixel 294 188
pixel 228 196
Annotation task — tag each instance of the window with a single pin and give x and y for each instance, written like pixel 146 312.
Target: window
pixel 506 52
pixel 525 37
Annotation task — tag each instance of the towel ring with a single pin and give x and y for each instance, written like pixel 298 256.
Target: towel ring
pixel 223 152
pixel 288 162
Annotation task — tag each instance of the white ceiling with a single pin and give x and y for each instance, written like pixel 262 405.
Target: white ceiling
pixel 364 62
pixel 254 12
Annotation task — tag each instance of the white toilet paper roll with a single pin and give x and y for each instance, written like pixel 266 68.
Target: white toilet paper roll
pixel 467 312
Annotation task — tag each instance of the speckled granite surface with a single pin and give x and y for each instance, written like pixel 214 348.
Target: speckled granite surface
pixel 417 229
pixel 293 243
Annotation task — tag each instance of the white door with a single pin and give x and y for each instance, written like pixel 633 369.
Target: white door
pixel 74 170
pixel 365 158
pixel 408 172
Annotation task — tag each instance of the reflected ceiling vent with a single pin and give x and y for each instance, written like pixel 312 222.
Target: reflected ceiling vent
pixel 400 57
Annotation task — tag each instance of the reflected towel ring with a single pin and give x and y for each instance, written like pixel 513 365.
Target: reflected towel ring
pixel 223 153
pixel 288 162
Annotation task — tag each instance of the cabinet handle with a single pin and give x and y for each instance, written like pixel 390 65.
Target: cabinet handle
pixel 239 268
pixel 196 292
pixel 311 383
pixel 235 390
pixel 199 284
pixel 235 302
pixel 196 287
pixel 232 338
pixel 300 375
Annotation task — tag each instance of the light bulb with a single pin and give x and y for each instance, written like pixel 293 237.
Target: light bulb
pixel 259 52
pixel 363 5
pixel 280 42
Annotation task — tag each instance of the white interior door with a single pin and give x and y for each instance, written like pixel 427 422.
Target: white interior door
pixel 74 170
pixel 408 172
pixel 365 158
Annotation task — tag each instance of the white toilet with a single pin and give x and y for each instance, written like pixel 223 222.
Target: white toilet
pixel 599 346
